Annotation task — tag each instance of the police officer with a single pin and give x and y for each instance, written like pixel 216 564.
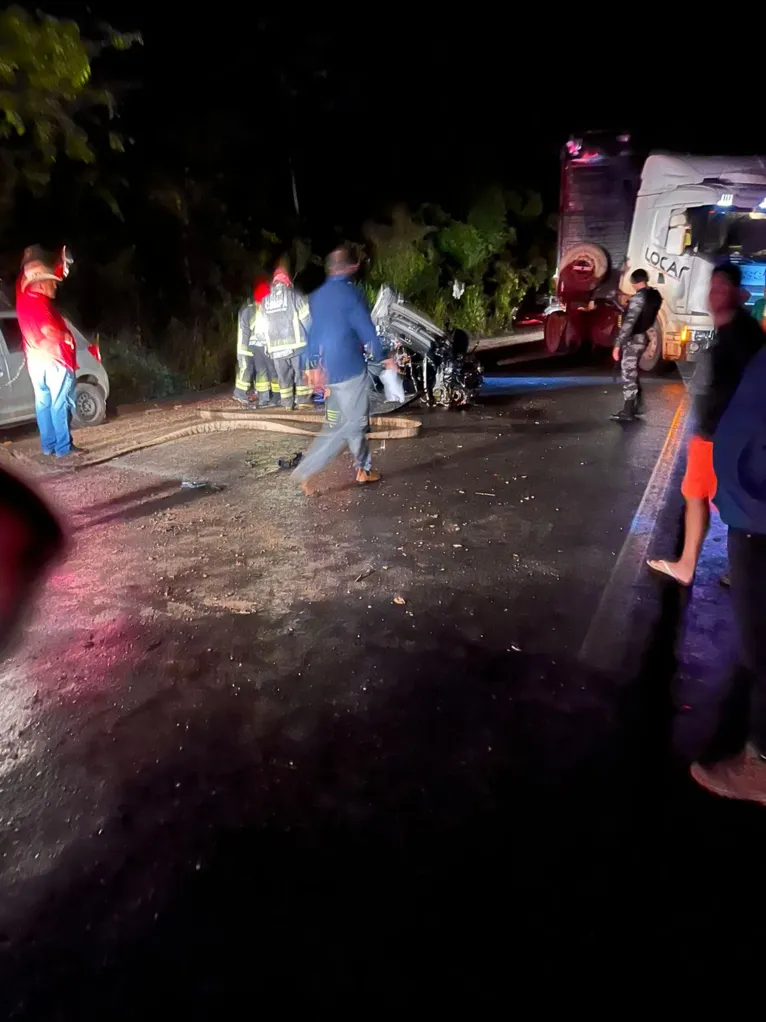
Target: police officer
pixel 631 342
pixel 281 325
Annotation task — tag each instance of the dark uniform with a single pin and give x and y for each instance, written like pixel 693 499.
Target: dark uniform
pixel 632 341
pixel 281 325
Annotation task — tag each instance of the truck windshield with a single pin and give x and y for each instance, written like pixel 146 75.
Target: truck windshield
pixel 729 232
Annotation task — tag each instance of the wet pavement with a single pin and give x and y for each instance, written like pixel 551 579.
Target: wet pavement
pixel 255 745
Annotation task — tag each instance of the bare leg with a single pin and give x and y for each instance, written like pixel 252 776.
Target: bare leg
pixel 696 524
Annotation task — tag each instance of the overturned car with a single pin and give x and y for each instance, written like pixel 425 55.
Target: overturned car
pixel 435 364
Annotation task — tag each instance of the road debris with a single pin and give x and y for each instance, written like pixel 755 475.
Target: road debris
pixel 191 484
pixel 290 462
pixel 365 574
pixel 482 493
pixel 399 601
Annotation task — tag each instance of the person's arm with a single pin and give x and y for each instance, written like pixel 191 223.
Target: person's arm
pixel 244 329
pixel 363 326
pixel 303 314
pixel 55 328
pixel 314 348
pixel 635 305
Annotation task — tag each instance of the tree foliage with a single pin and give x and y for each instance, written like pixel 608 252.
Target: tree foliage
pixel 471 273
pixel 167 279
pixel 48 98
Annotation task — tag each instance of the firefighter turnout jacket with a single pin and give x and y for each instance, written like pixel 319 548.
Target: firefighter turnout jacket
pixel 282 321
pixel 245 324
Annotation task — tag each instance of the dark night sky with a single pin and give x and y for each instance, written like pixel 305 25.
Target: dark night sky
pixel 379 104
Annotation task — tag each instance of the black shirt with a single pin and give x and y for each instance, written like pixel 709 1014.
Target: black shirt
pixel 735 344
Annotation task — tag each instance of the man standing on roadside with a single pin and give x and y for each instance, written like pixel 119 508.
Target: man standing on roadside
pixel 340 328
pixel 631 342
pixel 735 765
pixel 50 352
pixel 737 339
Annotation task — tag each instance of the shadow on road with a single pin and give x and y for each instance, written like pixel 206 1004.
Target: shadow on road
pixel 130 509
pixel 411 815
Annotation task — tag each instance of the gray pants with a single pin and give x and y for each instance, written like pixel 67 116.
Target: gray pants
pixel 631 356
pixel 348 418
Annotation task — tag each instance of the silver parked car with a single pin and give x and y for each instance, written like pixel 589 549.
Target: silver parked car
pixel 17 399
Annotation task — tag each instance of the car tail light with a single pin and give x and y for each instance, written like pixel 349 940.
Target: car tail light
pixel 95 350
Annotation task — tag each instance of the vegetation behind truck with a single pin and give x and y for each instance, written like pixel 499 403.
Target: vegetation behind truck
pixel 680 217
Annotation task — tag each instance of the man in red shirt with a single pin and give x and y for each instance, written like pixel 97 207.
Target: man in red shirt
pixel 50 352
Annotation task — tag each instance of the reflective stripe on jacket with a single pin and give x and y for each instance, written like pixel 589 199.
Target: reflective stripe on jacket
pixel 282 320
pixel 245 320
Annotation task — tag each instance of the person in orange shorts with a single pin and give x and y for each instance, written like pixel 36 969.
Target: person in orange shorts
pixel 737 338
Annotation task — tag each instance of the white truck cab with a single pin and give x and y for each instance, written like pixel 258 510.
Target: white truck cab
pixel 691 213
pixel 677 219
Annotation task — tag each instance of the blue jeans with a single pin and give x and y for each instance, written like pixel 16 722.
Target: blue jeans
pixel 54 386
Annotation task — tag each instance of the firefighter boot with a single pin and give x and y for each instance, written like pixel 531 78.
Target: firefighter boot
pixel 627 413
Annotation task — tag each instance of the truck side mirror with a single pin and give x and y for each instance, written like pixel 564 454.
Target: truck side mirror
pixel 676 242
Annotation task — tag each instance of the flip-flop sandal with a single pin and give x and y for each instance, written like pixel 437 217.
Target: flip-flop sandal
pixel 663 568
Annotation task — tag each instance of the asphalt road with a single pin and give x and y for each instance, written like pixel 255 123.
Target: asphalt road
pixel 236 774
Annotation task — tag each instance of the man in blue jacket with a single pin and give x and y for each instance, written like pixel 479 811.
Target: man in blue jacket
pixel 340 329
pixel 739 456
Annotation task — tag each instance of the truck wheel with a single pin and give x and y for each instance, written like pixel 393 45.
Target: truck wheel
pixel 553 332
pixel 591 261
pixel 89 405
pixel 652 361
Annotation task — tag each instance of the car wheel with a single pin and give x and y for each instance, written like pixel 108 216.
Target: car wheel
pixel 652 361
pixel 89 405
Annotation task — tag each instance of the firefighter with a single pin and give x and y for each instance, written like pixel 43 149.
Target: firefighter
pixel 281 324
pixel 631 342
pixel 266 379
pixel 245 361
